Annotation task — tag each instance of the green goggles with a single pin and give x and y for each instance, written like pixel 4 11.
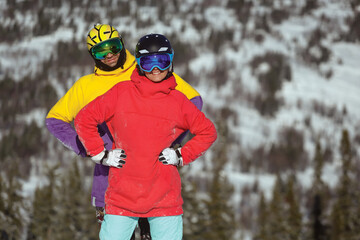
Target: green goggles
pixel 101 50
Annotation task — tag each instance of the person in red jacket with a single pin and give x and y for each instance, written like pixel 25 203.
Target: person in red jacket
pixel 145 115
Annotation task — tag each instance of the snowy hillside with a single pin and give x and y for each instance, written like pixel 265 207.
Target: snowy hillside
pixel 278 73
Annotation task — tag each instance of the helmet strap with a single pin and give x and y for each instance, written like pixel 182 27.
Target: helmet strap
pixel 141 72
pixel 169 74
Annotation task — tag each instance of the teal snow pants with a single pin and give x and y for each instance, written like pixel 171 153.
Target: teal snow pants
pixel 115 227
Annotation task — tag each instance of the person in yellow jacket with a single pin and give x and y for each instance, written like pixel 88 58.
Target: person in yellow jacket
pixel 113 64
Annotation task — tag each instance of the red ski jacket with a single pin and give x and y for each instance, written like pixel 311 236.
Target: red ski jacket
pixel 145 118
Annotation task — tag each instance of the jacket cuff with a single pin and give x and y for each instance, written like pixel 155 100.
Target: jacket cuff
pixel 98 157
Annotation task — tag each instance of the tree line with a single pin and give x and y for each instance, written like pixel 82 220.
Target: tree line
pixel 60 207
pixel 318 213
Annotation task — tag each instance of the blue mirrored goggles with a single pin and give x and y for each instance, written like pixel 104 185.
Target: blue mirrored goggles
pixel 160 60
pixel 101 50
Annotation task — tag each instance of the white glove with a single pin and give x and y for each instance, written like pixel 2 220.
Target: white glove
pixel 113 158
pixel 171 156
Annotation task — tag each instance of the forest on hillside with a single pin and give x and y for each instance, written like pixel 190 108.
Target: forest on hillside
pixel 45 188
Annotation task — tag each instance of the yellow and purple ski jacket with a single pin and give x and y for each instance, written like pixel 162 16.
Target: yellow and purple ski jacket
pixel 87 88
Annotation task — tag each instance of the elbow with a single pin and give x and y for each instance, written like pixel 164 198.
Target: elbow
pixel 214 135
pixel 55 125
pixel 77 126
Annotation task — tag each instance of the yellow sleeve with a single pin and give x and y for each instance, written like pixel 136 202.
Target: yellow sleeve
pixel 185 88
pixel 70 104
pixel 86 89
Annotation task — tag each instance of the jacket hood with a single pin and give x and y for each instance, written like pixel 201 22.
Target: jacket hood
pixel 147 88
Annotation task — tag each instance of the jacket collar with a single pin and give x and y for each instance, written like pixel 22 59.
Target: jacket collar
pixel 130 62
pixel 147 88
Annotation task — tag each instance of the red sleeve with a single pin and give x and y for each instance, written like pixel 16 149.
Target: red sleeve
pixel 96 112
pixel 203 129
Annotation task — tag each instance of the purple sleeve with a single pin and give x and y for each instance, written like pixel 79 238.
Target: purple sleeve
pixel 197 101
pixel 67 135
pixel 105 135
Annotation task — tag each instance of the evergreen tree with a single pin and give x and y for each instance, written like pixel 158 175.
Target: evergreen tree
pixel 281 218
pixel 77 216
pixel 221 214
pixel 220 218
pixel 262 220
pixel 62 210
pixel 318 166
pixel 345 213
pixel 276 217
pixel 44 216
pixel 318 229
pixel 194 222
pixel 11 204
pixel 293 216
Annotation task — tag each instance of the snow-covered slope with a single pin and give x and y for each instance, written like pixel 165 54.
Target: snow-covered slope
pixel 320 99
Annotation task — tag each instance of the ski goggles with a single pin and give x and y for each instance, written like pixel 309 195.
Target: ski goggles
pixel 160 60
pixel 101 50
